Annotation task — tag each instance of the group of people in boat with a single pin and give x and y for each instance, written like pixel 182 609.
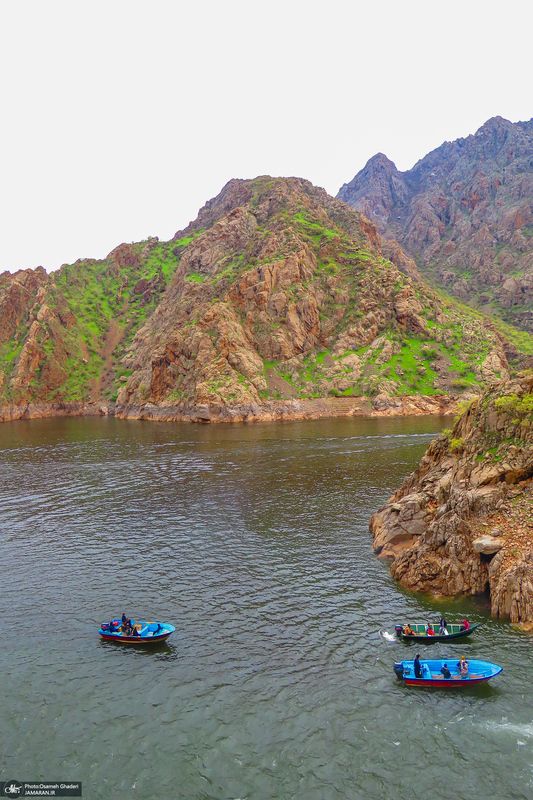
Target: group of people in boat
pixel 430 630
pixel 462 668
pixel 127 628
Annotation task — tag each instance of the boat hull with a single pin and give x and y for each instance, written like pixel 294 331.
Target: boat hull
pixel 135 640
pixel 447 683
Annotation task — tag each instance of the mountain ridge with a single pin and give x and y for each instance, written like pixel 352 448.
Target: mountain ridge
pixel 464 213
pixel 277 293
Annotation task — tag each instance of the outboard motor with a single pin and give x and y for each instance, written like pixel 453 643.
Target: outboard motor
pixel 398 668
pixel 398 629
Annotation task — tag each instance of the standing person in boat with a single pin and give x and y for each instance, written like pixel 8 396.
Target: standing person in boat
pixel 124 619
pixel 443 630
pixel 443 622
pixel 418 668
pixel 446 672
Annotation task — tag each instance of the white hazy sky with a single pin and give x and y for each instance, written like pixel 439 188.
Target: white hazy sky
pixel 120 118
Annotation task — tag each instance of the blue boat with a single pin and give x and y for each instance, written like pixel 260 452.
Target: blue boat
pixel 431 674
pixel 145 632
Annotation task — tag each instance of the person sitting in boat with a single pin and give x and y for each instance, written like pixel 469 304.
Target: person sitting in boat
pixel 408 631
pixel 446 672
pixel 418 668
pixel 135 632
pixel 465 625
pixel 126 628
pixel 430 631
pixel 462 667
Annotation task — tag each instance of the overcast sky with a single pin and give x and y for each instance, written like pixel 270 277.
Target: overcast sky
pixel 120 118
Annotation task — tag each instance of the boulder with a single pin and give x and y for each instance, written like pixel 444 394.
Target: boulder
pixel 488 545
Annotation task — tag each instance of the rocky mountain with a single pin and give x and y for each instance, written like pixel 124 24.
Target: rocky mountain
pixel 462 522
pixel 465 214
pixel 277 299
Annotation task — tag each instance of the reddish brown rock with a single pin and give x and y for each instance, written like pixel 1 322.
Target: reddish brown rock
pixel 454 526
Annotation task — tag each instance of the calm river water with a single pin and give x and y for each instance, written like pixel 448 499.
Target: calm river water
pixel 253 541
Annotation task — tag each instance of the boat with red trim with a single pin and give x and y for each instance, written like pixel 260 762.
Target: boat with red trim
pixel 433 670
pixel 138 632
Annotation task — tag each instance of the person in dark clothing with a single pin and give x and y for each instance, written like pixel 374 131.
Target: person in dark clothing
pixel 418 669
pixel 124 619
pixel 446 672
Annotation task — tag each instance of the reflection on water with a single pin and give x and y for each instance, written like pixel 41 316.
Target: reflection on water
pixel 253 541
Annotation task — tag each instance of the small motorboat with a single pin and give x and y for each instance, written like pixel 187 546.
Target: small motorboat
pixel 144 632
pixel 431 674
pixel 420 632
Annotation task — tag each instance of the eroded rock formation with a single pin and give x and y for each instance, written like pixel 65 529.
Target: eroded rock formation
pixel 463 522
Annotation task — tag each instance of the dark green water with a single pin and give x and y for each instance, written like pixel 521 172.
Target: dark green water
pixel 253 541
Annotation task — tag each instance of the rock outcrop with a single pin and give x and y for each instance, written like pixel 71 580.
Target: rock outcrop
pixel 464 213
pixel 463 522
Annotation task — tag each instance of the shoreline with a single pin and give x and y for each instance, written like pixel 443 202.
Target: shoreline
pixel 268 411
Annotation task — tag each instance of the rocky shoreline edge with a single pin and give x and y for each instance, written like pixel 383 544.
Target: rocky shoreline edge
pixel 462 523
pixel 269 411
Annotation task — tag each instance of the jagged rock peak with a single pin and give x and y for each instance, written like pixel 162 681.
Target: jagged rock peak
pixel 377 166
pixel 375 190
pixel 380 163
pixel 265 192
pixel 494 123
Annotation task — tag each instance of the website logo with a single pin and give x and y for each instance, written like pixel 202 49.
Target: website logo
pixel 12 789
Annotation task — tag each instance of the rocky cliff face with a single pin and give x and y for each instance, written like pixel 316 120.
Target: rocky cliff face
pixel 465 214
pixel 463 522
pixel 277 293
